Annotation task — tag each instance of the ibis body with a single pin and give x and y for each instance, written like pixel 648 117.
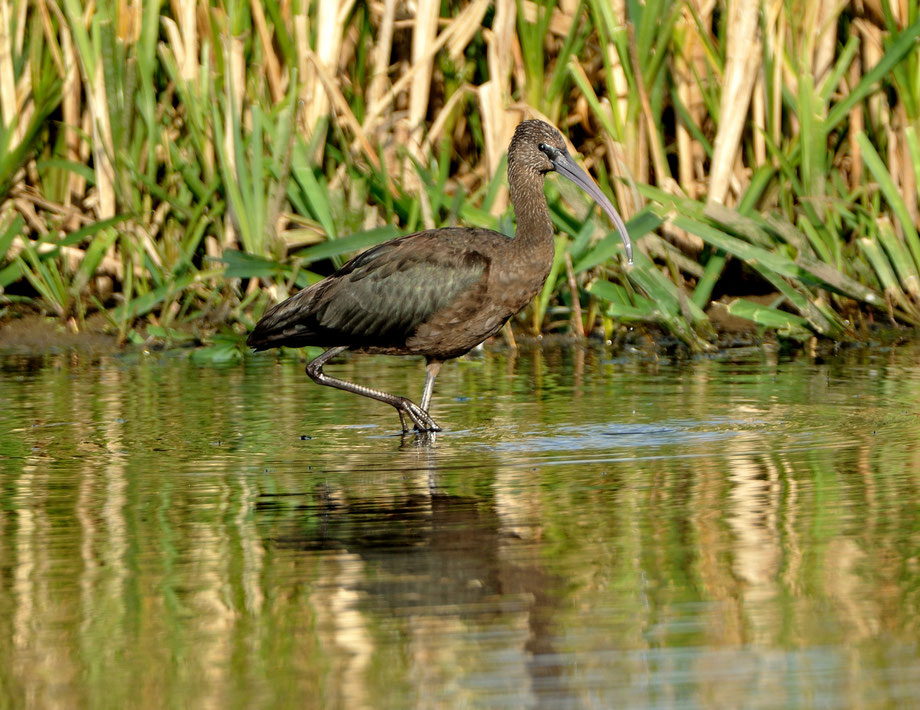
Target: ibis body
pixel 437 293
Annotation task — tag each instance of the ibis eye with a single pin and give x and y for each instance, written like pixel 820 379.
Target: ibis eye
pixel 542 147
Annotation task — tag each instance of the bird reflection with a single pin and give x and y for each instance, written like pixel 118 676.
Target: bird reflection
pixel 440 568
pixel 410 440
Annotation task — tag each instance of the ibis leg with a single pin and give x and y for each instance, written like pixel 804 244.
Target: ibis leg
pixel 405 407
pixel 432 370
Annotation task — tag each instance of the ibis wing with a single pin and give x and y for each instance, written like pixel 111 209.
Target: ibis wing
pixel 382 297
pixel 378 298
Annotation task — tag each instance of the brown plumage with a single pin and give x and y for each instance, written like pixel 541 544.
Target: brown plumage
pixel 437 293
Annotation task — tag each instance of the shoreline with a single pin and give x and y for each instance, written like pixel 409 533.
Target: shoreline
pixel 36 334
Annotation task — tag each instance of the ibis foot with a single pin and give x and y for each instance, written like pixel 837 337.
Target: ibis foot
pixel 420 418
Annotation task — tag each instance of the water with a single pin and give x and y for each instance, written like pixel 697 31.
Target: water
pixel 588 533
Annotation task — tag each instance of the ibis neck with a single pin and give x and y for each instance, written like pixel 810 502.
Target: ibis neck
pixel 534 227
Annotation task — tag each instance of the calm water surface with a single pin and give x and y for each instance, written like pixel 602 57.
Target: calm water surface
pixel 589 532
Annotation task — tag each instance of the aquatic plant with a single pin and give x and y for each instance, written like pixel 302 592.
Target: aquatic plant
pixel 190 163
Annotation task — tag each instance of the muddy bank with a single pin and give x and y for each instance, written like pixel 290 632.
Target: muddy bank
pixel 35 333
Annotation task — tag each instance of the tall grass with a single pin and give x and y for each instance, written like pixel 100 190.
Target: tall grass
pixel 189 163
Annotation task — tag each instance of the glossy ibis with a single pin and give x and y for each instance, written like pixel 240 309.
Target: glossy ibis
pixel 437 293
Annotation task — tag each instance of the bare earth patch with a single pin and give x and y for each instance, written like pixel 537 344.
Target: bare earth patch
pixel 36 333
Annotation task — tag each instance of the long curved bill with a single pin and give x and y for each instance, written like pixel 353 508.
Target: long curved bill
pixel 564 165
